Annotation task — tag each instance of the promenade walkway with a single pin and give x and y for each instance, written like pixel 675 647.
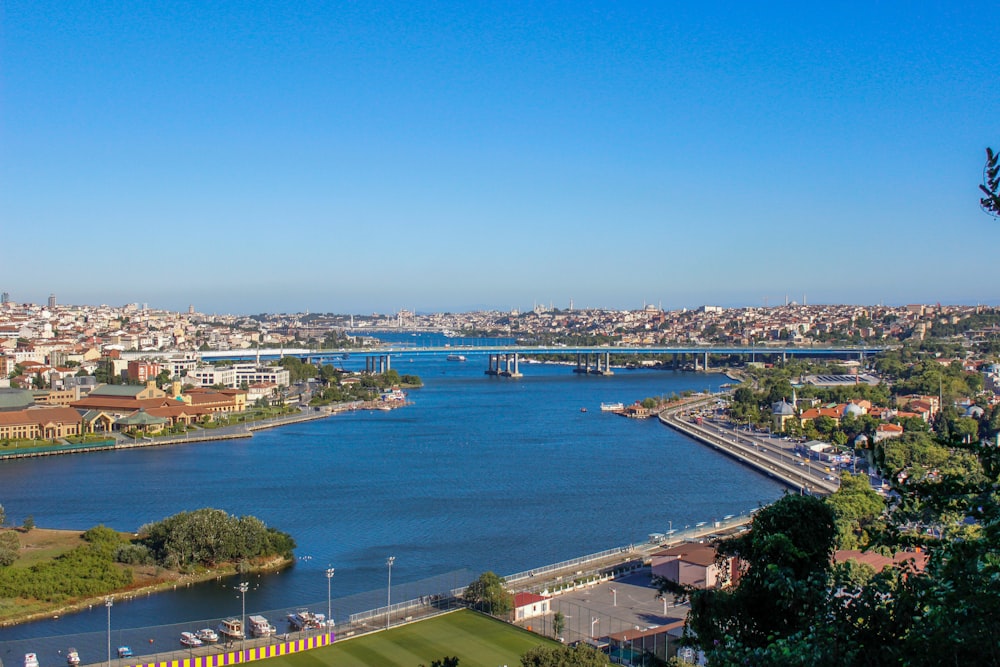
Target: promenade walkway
pixel 756 452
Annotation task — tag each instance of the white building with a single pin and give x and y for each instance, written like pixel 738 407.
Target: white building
pixel 254 374
pixel 208 376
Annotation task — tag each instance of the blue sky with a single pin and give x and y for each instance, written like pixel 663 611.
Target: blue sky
pixel 362 157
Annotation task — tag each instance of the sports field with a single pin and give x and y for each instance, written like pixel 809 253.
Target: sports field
pixel 478 641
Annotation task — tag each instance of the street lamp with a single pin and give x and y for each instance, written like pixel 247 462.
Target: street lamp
pixel 593 622
pixel 388 596
pixel 243 588
pixel 108 601
pixel 614 593
pixel 329 608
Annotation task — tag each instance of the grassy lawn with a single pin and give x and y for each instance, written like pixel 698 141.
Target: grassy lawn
pixel 41 544
pixel 477 641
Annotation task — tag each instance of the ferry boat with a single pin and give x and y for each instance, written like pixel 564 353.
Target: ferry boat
pixel 260 626
pixel 190 640
pixel 455 357
pixel 124 652
pixel 30 660
pixel 306 620
pixel 231 628
pixel 612 407
pixel 72 657
pixel 207 635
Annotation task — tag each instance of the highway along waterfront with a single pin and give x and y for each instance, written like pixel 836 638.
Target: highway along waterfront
pixel 480 473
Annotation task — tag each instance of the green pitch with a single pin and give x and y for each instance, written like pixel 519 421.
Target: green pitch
pixel 478 641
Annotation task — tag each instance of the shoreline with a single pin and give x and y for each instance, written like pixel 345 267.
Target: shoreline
pixel 57 611
pixel 233 432
pixel 747 456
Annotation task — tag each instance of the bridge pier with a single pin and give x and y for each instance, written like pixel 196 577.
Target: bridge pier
pixel 377 364
pixel 607 364
pixel 510 364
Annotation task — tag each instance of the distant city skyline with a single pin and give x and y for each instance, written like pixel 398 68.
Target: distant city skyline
pixel 247 157
pixel 547 305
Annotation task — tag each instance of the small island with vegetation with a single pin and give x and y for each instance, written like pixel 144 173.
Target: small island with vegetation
pixel 45 572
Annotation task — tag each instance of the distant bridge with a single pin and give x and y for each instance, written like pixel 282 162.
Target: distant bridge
pixel 505 359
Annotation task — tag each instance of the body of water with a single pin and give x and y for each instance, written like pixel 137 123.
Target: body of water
pixel 480 473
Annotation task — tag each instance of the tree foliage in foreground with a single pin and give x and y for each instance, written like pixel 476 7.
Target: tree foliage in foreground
pixel 580 655
pixel 207 537
pixel 793 606
pixel 991 185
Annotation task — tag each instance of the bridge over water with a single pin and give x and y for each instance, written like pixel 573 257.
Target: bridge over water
pixel 505 359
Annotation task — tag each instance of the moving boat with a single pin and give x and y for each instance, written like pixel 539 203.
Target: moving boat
pixel 30 660
pixel 455 357
pixel 260 626
pixel 207 635
pixel 124 652
pixel 72 657
pixel 231 628
pixel 189 639
pixel 612 407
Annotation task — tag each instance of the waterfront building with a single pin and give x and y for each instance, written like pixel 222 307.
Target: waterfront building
pixel 693 564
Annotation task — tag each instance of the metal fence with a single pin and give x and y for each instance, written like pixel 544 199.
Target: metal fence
pixel 354 615
pixel 363 612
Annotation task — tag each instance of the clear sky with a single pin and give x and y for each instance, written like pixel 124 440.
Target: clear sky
pixel 364 156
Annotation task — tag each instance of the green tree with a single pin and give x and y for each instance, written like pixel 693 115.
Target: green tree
pixel 29 523
pixel 558 623
pixel 857 510
pixel 3 515
pixel 444 662
pixel 782 588
pixel 488 593
pixel 9 547
pixel 580 655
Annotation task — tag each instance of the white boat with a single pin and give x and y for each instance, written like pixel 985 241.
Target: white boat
pixel 231 628
pixel 72 657
pixel 305 620
pixel 190 639
pixel 612 407
pixel 30 660
pixel 207 635
pixel 260 626
pixel 455 357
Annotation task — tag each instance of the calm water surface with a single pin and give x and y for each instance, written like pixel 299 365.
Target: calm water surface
pixel 480 473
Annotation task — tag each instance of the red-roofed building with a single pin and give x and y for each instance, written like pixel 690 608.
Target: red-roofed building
pixel 918 559
pixel 40 423
pixel 693 564
pixel 885 431
pixel 529 605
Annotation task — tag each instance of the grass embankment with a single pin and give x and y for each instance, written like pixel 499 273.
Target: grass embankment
pixel 40 546
pixel 475 639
